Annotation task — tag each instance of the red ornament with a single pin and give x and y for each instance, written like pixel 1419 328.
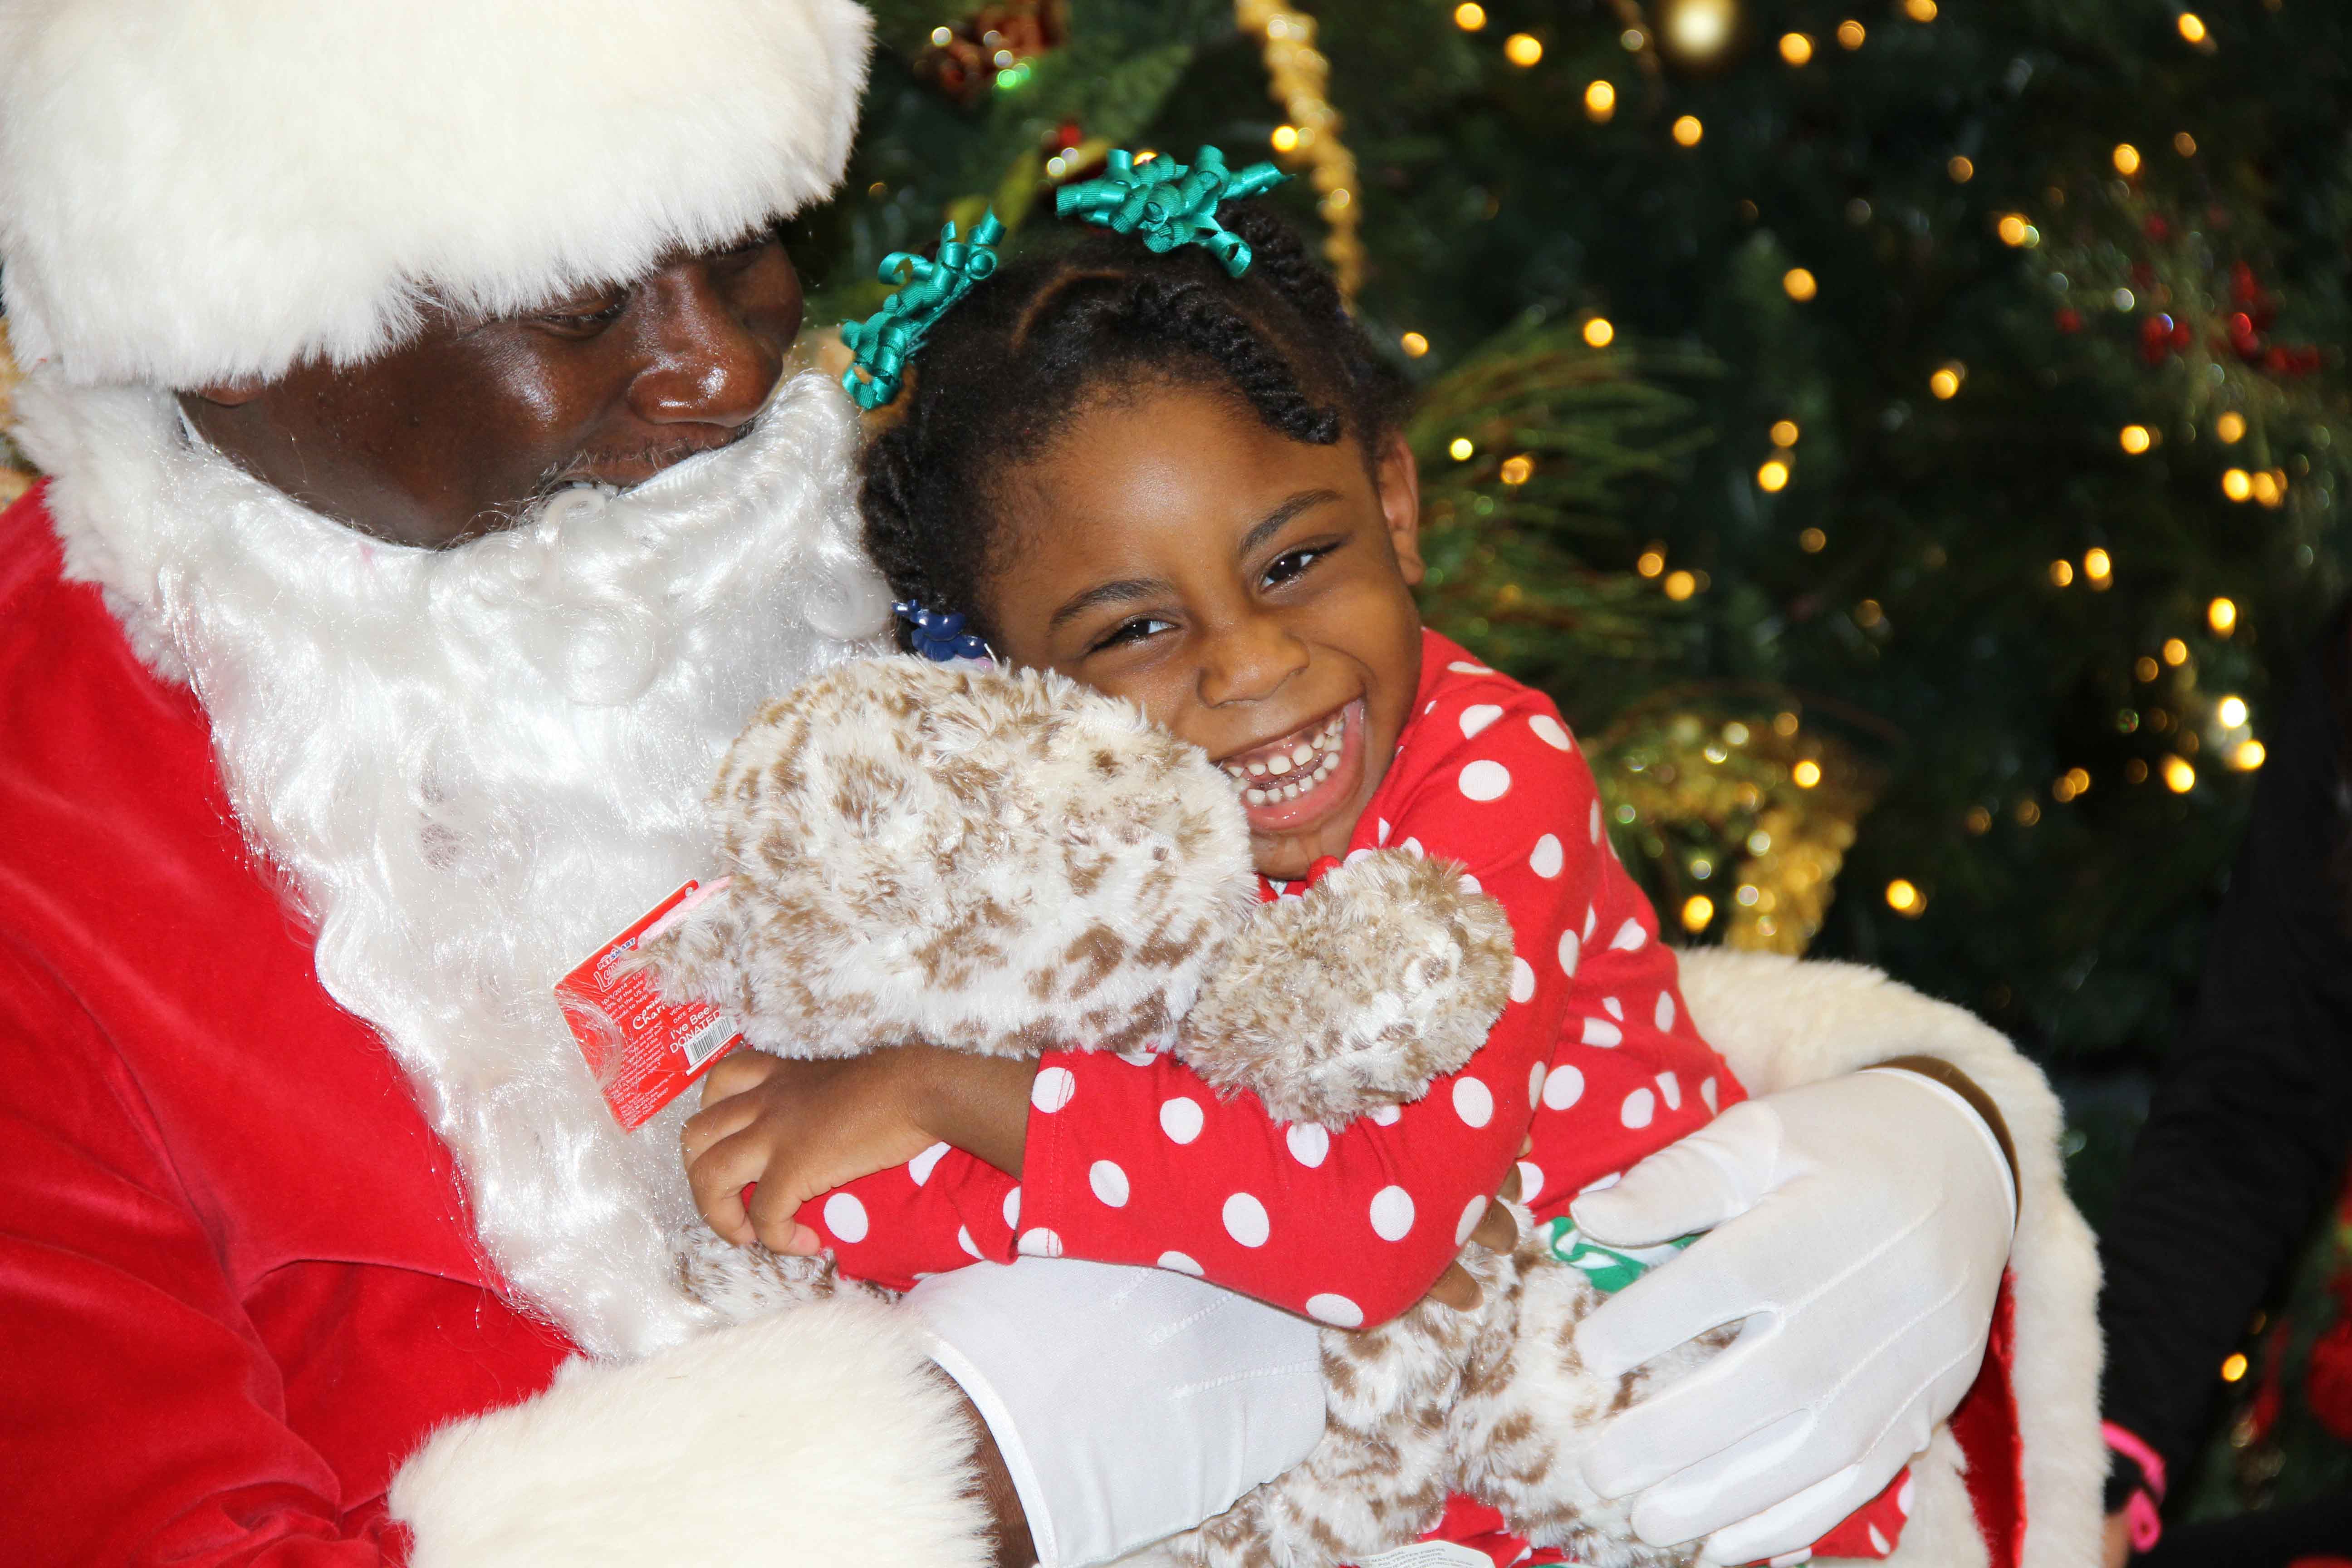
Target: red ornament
pixel 2327 1386
pixel 2069 319
pixel 2244 288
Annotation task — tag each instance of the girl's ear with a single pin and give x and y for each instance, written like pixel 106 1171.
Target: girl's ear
pixel 1398 478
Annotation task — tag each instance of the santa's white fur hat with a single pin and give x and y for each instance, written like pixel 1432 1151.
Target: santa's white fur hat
pixel 198 191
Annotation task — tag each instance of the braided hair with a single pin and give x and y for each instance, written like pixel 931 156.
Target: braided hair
pixel 1001 374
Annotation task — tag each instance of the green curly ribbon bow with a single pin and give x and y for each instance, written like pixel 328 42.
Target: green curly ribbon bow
pixel 1171 204
pixel 885 340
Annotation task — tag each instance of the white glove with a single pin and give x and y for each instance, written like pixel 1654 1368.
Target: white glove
pixel 1129 1403
pixel 1860 1228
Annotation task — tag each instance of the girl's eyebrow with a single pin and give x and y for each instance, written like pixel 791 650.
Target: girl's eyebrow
pixel 1276 521
pixel 1124 591
pixel 1128 590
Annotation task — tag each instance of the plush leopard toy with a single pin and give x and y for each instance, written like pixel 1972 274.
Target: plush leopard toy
pixel 1009 864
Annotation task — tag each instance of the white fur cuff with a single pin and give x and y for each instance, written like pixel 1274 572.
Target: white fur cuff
pixel 818 1436
pixel 1779 1022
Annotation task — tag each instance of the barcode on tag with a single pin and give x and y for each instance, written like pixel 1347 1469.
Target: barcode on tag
pixel 707 1042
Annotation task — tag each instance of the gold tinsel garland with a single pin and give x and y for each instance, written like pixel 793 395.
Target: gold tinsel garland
pixel 1299 79
pixel 1762 811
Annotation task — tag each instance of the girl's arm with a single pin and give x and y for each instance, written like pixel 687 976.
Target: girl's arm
pixel 1140 1162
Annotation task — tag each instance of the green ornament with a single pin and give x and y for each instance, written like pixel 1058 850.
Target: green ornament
pixel 1168 203
pixel 885 341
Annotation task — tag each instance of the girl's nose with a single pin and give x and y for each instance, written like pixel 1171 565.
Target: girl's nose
pixel 1250 662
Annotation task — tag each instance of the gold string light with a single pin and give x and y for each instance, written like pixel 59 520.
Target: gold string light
pixel 1299 79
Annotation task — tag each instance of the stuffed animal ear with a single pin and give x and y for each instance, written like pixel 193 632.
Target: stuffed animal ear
pixel 1385 976
pixel 699 955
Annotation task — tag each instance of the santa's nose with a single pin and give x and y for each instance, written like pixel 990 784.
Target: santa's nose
pixel 706 363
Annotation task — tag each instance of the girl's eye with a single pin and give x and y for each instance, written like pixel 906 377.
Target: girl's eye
pixel 1135 630
pixel 1292 564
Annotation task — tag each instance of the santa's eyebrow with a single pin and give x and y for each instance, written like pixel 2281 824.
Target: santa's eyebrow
pixel 1280 518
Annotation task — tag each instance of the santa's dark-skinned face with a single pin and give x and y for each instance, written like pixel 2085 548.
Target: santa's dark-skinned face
pixel 454 433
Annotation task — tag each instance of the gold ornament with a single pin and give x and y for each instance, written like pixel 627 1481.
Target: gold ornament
pixel 1718 799
pixel 1299 79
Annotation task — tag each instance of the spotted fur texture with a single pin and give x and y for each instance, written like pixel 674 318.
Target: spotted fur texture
pixel 1008 864
pixel 1354 996
pixel 1004 864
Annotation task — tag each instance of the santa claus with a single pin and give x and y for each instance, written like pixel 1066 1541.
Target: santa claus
pixel 428 508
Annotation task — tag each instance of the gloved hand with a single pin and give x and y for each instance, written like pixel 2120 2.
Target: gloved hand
pixel 1859 1227
pixel 1129 1403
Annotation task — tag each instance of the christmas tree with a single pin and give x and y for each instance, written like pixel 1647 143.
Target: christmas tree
pixel 1904 438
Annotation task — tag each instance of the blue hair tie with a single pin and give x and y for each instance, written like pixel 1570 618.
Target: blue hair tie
pixel 939 636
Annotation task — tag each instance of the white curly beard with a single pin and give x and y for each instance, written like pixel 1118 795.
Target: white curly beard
pixel 474 765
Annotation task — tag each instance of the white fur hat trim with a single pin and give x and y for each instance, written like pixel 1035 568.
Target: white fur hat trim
pixel 193 191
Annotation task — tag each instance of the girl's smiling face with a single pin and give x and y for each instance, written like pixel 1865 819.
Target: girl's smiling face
pixel 1252 594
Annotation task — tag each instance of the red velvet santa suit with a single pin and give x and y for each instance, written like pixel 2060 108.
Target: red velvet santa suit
pixel 236 1280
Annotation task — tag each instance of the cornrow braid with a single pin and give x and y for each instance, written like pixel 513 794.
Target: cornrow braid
pixel 1086 314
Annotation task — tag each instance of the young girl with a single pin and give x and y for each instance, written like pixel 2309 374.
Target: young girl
pixel 1190 490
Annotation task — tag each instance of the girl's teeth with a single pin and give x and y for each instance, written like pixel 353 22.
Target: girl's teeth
pixel 1277 764
pixel 1255 797
pixel 1303 755
pixel 1257 770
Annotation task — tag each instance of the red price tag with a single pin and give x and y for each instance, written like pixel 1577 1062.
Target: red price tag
pixel 643 1050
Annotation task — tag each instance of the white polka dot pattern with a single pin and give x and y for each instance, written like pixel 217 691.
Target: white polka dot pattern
pixel 1013 1209
pixel 1548 858
pixel 1391 1214
pixel 1569 948
pixel 1463 666
pixel 1665 1014
pixel 1640 1108
pixel 1670 1089
pixel 1534 1085
pixel 1551 731
pixel 1522 979
pixel 1245 1220
pixel 1039 1242
pixel 845 1216
pixel 1336 1310
pixel 1486 780
pixel 1614 1008
pixel 1630 936
pixel 1596 822
pixel 1385 1115
pixel 1473 1102
pixel 1053 1088
pixel 1531 1181
pixel 1109 1182
pixel 1469 1220
pixel 921 1167
pixel 1309 1144
pixel 1180 1119
pixel 1179 1263
pixel 1601 1032
pixel 1706 1092
pixel 963 1239
pixel 1477 717
pixel 1563 1087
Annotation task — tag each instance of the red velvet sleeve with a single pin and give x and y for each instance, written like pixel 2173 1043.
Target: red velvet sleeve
pixel 1137 1161
pixel 143 1419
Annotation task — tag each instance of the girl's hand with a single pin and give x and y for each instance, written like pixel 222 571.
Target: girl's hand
pixel 799 1129
pixel 1496 1231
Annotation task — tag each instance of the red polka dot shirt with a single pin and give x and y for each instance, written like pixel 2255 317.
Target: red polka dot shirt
pixel 1133 1159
